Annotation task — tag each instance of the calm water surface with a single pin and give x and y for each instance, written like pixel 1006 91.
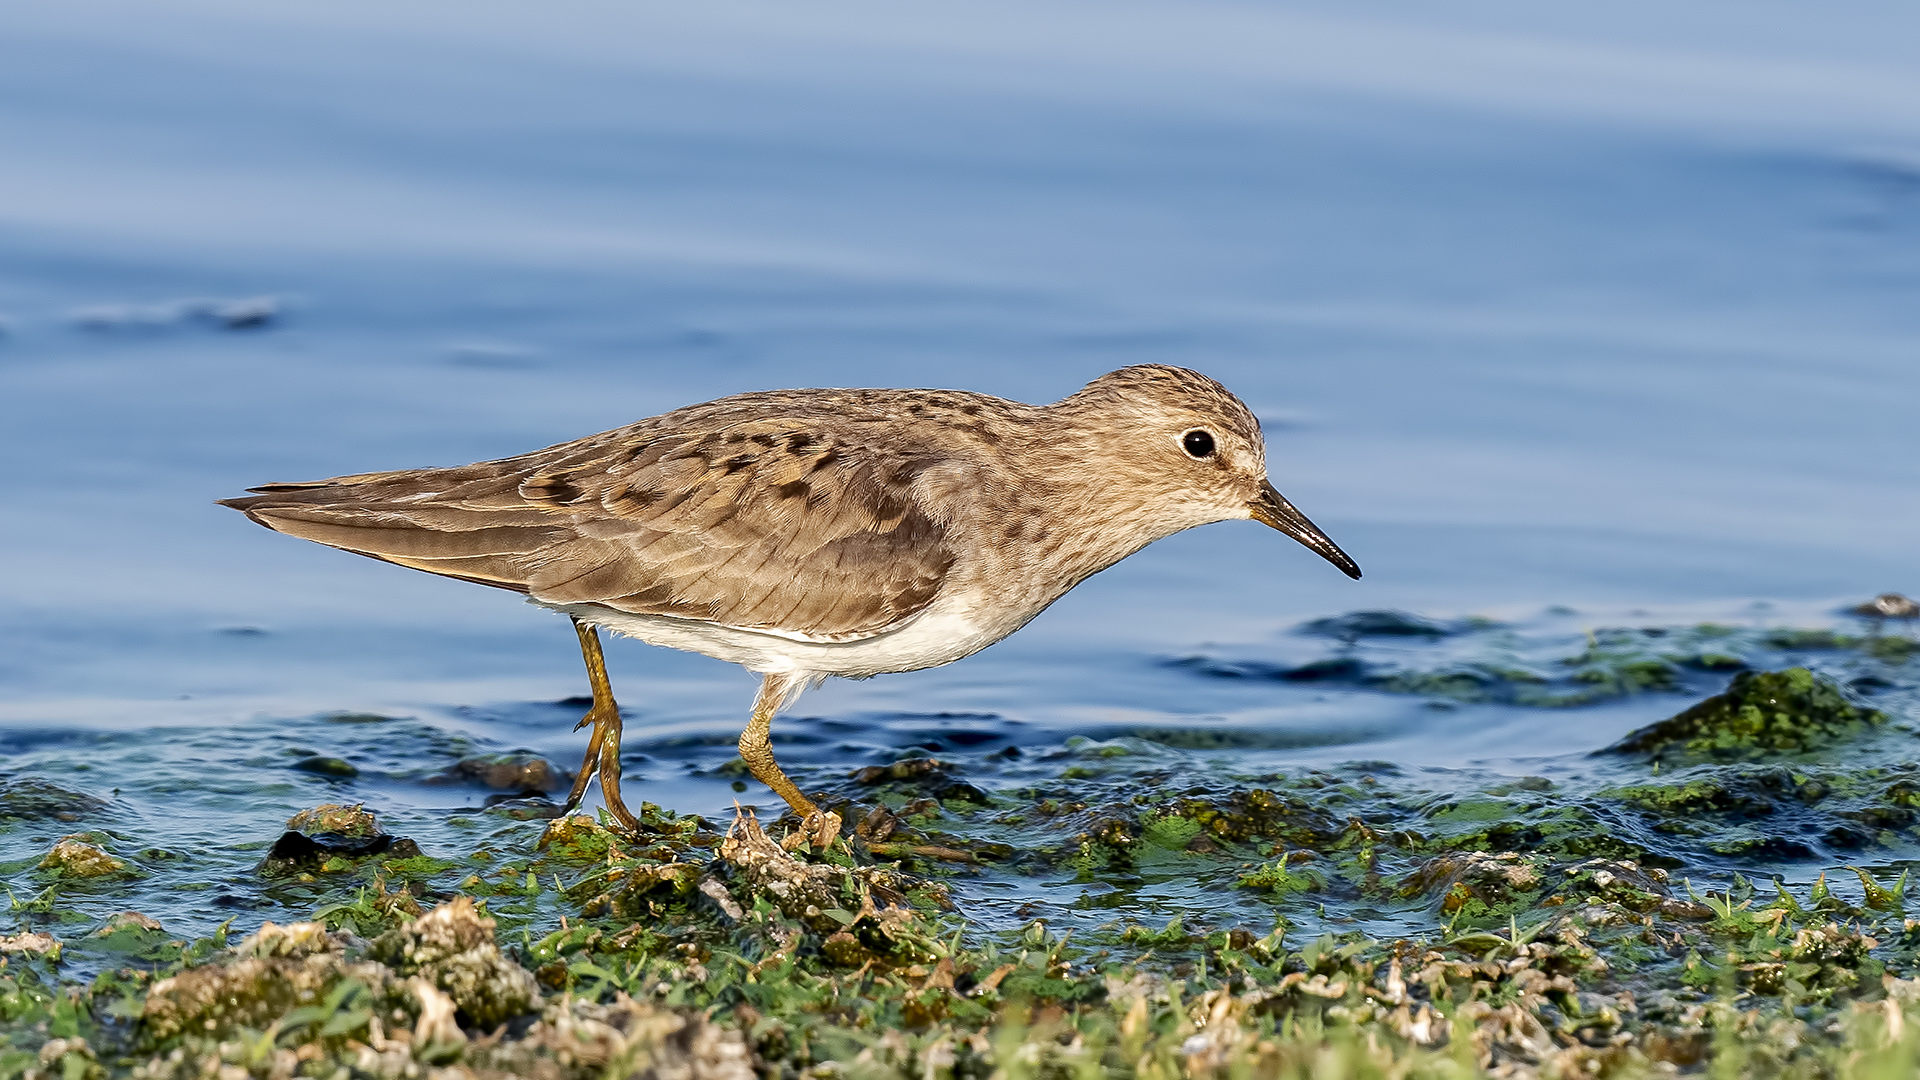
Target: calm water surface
pixel 1555 322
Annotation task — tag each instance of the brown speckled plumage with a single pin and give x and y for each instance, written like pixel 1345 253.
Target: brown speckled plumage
pixel 790 521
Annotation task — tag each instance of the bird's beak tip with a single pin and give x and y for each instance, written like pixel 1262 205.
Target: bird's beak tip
pixel 1272 509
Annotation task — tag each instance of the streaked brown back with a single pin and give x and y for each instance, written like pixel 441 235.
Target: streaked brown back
pixel 772 511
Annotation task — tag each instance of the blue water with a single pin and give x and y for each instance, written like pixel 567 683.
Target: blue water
pixel 1613 310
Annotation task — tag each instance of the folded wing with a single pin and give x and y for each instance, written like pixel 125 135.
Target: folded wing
pixel 791 523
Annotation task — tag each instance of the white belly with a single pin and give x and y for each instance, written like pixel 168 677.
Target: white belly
pixel 942 633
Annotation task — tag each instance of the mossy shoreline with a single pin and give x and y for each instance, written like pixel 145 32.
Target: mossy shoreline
pixel 1721 891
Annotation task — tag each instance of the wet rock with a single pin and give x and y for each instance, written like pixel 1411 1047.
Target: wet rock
pixel 1458 682
pixel 1358 624
pixel 276 969
pixel 576 1037
pixel 1630 885
pixel 332 830
pixel 298 851
pixel 336 768
pixel 341 819
pixel 1761 714
pixel 1756 810
pixel 1760 847
pixel 452 948
pixel 1721 793
pixel 927 773
pixel 1275 815
pixel 1476 882
pixel 357 718
pixel 795 886
pixel 961 791
pixel 629 886
pixel 358 1015
pixel 877 825
pixel 1889 606
pixel 518 772
pixel 69 1059
pixel 577 836
pixel 33 798
pixel 31 944
pixel 1335 669
pixel 128 922
pixel 294 941
pixel 1618 662
pixel 904 769
pixel 524 809
pixel 129 932
pixel 846 950
pixel 1808 640
pixel 331 767
pixel 74 857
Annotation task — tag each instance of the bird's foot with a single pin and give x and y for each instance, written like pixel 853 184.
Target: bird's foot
pixel 818 830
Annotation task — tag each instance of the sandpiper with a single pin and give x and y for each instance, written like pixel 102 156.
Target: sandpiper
pixel 809 533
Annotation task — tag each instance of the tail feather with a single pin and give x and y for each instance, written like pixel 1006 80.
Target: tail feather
pixel 370 515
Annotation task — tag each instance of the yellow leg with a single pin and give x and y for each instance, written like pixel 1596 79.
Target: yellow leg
pixel 603 748
pixel 756 749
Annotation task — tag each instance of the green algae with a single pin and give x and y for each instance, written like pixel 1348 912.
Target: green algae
pixel 753 960
pixel 337 768
pixel 1761 714
pixel 1280 878
pixel 1350 921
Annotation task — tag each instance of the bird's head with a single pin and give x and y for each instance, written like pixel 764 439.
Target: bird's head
pixel 1191 453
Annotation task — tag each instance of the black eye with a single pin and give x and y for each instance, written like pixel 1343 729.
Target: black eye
pixel 1197 443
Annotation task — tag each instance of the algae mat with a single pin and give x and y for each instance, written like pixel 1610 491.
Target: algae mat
pixel 1725 885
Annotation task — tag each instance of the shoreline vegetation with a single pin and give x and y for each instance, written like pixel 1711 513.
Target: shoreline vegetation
pixel 1722 892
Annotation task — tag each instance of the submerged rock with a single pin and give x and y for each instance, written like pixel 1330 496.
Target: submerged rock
pixel 1761 714
pixel 904 769
pixel 1476 883
pixel 32 797
pixel 1358 624
pixel 336 768
pixel 515 772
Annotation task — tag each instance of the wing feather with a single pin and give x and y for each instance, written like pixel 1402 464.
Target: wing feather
pixel 790 520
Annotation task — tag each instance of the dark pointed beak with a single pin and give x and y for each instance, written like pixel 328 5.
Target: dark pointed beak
pixel 1272 508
